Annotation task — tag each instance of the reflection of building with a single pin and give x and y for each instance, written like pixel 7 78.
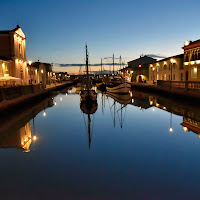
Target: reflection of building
pixel 167 69
pixel 137 70
pixel 192 60
pixel 20 138
pixel 13 47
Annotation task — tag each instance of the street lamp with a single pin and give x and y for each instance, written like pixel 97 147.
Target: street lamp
pixel 172 62
pixel 30 63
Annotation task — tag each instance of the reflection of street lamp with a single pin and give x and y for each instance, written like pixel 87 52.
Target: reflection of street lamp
pixel 44 113
pixel 171 129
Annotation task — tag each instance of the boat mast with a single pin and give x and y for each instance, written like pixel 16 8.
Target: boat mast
pixel 87 67
pixel 101 66
pixel 113 64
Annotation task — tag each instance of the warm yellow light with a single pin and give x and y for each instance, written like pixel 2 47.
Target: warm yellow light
pixel 157 104
pixel 164 108
pixel 42 71
pixel 66 94
pixel 151 102
pixel 55 103
pixel 198 61
pixel 151 65
pixel 157 64
pixel 3 65
pixel 131 94
pixel 165 63
pixel 185 128
pixel 34 138
pixel 192 62
pixel 186 43
pixel 195 69
pixel 172 61
pixel 186 63
pixel 153 109
pixel 153 68
pixel 44 114
pixel 59 74
pixel 171 130
pixel 29 62
pixel 140 65
pixel 133 101
pixel 60 98
pixel 140 107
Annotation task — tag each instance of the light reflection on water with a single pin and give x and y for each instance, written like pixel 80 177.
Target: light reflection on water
pixel 137 146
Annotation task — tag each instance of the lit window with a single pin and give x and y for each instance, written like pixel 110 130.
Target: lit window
pixel 194 72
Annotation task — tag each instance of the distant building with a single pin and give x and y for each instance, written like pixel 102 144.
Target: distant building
pixel 138 70
pixel 168 69
pixel 39 73
pixel 192 60
pixel 13 47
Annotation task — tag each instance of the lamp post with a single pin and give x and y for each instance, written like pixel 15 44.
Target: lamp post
pixel 172 62
pixel 30 63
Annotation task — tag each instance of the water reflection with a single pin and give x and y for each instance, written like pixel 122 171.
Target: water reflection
pixel 189 112
pixel 15 126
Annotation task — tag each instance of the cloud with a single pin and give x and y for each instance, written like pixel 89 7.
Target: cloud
pixel 156 56
pixel 78 65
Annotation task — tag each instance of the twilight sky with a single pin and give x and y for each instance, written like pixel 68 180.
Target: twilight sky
pixel 56 31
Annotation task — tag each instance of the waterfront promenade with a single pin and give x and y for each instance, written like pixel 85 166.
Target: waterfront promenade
pixel 15 96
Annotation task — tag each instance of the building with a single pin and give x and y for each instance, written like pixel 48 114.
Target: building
pixel 38 72
pixel 192 60
pixel 168 69
pixel 137 70
pixel 13 48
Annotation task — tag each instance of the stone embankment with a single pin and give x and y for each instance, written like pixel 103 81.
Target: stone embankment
pixel 14 96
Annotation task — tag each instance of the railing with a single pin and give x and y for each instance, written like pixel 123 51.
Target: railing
pixel 179 84
pixel 7 93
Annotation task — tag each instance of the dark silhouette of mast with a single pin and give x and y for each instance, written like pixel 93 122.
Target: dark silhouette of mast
pixel 87 67
pixel 113 63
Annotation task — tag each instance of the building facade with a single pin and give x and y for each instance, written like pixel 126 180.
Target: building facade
pixel 137 70
pixel 13 47
pixel 38 72
pixel 168 69
pixel 192 60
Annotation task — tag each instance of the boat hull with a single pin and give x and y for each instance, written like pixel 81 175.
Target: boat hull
pixel 123 88
pixel 88 95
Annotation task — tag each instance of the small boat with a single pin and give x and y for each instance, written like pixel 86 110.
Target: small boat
pixel 88 94
pixel 122 88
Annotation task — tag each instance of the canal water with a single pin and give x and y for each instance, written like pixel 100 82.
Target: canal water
pixel 137 146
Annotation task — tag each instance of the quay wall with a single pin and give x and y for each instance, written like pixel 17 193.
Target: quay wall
pixel 189 94
pixel 14 96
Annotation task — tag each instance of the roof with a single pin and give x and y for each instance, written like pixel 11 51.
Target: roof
pixel 143 60
pixel 4 58
pixel 192 44
pixel 165 59
pixel 8 31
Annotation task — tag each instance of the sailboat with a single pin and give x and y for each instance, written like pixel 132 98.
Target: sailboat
pixel 88 94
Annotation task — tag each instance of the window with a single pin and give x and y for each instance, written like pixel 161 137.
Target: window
pixel 157 76
pixel 194 72
pixel 20 49
pixel 165 77
pixel 181 76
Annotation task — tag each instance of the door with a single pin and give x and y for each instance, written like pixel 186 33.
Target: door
pixel 186 76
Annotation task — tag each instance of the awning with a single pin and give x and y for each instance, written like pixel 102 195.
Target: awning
pixel 9 78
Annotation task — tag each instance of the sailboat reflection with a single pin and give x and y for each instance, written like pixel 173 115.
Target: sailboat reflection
pixel 88 108
pixel 120 101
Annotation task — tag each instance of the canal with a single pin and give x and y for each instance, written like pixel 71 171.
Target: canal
pixel 137 146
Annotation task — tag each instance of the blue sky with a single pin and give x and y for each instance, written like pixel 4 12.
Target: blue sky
pixel 56 31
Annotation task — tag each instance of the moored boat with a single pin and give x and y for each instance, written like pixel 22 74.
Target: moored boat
pixel 122 88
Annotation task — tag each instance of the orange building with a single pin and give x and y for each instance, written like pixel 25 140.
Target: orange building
pixel 192 60
pixel 13 47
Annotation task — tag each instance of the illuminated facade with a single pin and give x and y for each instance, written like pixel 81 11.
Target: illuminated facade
pixel 4 68
pixel 192 60
pixel 168 69
pixel 38 72
pixel 137 70
pixel 13 47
